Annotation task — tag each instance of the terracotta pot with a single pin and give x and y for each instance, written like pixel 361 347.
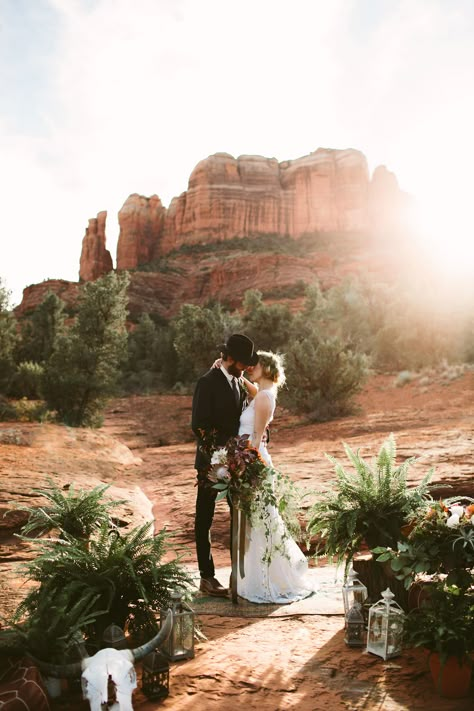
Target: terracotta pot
pixel 453 679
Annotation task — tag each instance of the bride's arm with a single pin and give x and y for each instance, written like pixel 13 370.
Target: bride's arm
pixel 262 415
pixel 252 389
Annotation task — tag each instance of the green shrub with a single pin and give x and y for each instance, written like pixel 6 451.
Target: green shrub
pixel 323 375
pixel 27 381
pixel 84 368
pixel 7 410
pixel 198 333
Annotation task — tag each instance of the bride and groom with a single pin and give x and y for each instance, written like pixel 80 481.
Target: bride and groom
pixel 228 404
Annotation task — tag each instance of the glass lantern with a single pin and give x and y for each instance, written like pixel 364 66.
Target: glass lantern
pixel 385 630
pixel 180 643
pixel 353 591
pixel 355 626
pixel 155 676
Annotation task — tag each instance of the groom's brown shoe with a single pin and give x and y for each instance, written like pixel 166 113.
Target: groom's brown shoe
pixel 212 586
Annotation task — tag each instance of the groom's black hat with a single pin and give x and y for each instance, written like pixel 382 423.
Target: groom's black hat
pixel 241 349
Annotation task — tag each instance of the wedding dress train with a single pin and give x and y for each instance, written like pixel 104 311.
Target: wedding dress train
pixel 284 579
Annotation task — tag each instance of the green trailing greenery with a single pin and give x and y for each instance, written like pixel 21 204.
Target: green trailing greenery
pixel 368 505
pixel 75 513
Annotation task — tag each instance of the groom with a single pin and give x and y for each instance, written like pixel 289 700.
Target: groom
pixel 217 406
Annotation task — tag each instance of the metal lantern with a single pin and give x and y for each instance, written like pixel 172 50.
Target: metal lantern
pixel 385 629
pixel 355 626
pixel 114 637
pixel 353 591
pixel 180 643
pixel 155 676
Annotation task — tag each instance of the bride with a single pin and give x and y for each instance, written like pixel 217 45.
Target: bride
pixel 283 579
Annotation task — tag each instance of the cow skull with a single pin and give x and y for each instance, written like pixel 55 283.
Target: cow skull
pixel 109 663
pixel 114 664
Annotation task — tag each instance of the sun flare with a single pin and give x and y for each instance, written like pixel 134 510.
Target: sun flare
pixel 445 228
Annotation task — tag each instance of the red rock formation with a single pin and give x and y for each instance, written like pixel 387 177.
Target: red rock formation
pixel 141 222
pixel 325 191
pixel 390 209
pixel 34 294
pixel 95 258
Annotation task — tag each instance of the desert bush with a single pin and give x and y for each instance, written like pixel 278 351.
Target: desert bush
pixel 84 368
pixel 32 411
pixel 27 380
pixel 7 410
pixel 323 375
pixel 198 333
pixel 267 325
pixel 8 341
pixel 41 330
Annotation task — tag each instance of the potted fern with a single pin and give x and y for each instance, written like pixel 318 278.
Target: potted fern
pixel 125 578
pixel 365 508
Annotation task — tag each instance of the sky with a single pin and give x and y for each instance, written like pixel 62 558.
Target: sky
pixel 103 98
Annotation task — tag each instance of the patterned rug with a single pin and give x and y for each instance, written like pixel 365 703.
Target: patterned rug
pixel 327 600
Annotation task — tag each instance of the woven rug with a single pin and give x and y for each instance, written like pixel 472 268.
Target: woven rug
pixel 327 600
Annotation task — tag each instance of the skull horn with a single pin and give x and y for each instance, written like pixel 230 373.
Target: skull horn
pixel 159 638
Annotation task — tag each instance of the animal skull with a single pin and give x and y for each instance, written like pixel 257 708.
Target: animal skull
pixel 108 664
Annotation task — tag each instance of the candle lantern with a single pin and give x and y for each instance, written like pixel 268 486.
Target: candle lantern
pixel 385 630
pixel 155 676
pixel 353 591
pixel 355 626
pixel 114 637
pixel 180 643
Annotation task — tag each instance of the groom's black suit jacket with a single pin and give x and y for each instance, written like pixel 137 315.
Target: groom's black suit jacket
pixel 215 408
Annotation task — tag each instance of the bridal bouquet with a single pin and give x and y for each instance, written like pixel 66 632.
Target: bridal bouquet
pixel 239 472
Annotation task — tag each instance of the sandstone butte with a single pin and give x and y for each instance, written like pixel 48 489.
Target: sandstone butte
pixel 326 192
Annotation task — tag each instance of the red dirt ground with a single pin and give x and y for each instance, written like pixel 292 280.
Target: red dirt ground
pixel 266 663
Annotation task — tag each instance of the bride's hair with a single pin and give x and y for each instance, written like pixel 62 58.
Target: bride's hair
pixel 272 367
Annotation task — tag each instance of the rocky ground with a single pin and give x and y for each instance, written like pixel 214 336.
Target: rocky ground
pixel 146 450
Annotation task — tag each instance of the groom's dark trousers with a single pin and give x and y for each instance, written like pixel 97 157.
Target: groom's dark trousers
pixel 214 408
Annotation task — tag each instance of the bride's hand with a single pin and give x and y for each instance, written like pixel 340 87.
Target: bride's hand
pixel 217 363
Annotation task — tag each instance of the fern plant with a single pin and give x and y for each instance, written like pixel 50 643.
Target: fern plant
pixel 368 505
pixel 126 575
pixel 75 513
pixel 56 623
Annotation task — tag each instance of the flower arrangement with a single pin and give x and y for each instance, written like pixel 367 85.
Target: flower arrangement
pixel 238 472
pixel 438 540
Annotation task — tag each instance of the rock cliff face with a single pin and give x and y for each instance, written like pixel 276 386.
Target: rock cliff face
pixel 95 258
pixel 228 197
pixel 324 203
pixel 141 222
pixel 34 294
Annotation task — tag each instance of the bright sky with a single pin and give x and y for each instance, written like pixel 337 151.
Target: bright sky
pixel 103 98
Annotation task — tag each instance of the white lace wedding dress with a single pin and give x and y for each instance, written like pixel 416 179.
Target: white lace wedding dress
pixel 284 579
